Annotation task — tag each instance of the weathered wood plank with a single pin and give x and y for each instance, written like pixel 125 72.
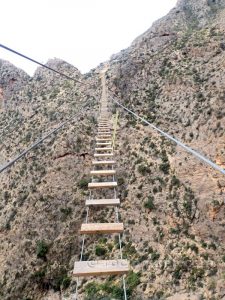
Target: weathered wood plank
pixel 101 228
pixel 102 202
pixel 103 172
pixel 103 154
pixel 101 267
pixel 100 185
pixel 103 162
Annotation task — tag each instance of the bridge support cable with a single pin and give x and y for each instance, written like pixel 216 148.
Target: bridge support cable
pixel 168 136
pixel 34 145
pixel 49 68
pixel 40 64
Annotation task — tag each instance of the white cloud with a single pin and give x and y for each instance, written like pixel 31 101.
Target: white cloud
pixel 82 32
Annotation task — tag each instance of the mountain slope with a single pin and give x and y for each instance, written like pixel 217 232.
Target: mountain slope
pixel 172 205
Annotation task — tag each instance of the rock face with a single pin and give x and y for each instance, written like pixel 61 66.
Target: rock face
pixel 12 80
pixel 172 205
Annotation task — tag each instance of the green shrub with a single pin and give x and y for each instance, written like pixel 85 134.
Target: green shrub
pixel 205 256
pixel 196 273
pixel 212 246
pixel 144 170
pixel 194 248
pixel 155 256
pixel 131 221
pixel 65 282
pixel 28 137
pixel 66 211
pixel 110 290
pixel 59 279
pixel 165 167
pixel 133 279
pixel 175 181
pixel 42 249
pixel 120 181
pixel 100 250
pixel 149 203
pixel 6 195
pixel 39 275
pixel 105 291
pixel 83 183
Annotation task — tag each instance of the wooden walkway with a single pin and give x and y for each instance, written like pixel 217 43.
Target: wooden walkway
pixel 103 177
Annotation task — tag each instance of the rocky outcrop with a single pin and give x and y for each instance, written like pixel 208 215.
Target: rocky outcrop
pixel 12 80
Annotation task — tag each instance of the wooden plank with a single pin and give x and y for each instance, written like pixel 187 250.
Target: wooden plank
pixel 102 202
pixel 104 135
pixel 103 154
pixel 104 131
pixel 103 162
pixel 101 228
pixel 101 267
pixel 103 172
pixel 104 144
pixel 100 185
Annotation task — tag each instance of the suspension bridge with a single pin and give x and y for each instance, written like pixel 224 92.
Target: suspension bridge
pixel 103 177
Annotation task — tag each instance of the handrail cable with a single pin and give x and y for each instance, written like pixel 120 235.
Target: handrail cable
pixel 185 147
pixel 168 136
pixel 24 152
pixel 38 63
pixel 43 65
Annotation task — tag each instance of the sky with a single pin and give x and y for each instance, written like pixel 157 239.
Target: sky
pixel 81 32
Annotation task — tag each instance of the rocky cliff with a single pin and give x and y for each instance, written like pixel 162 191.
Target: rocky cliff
pixel 172 205
pixel 11 81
